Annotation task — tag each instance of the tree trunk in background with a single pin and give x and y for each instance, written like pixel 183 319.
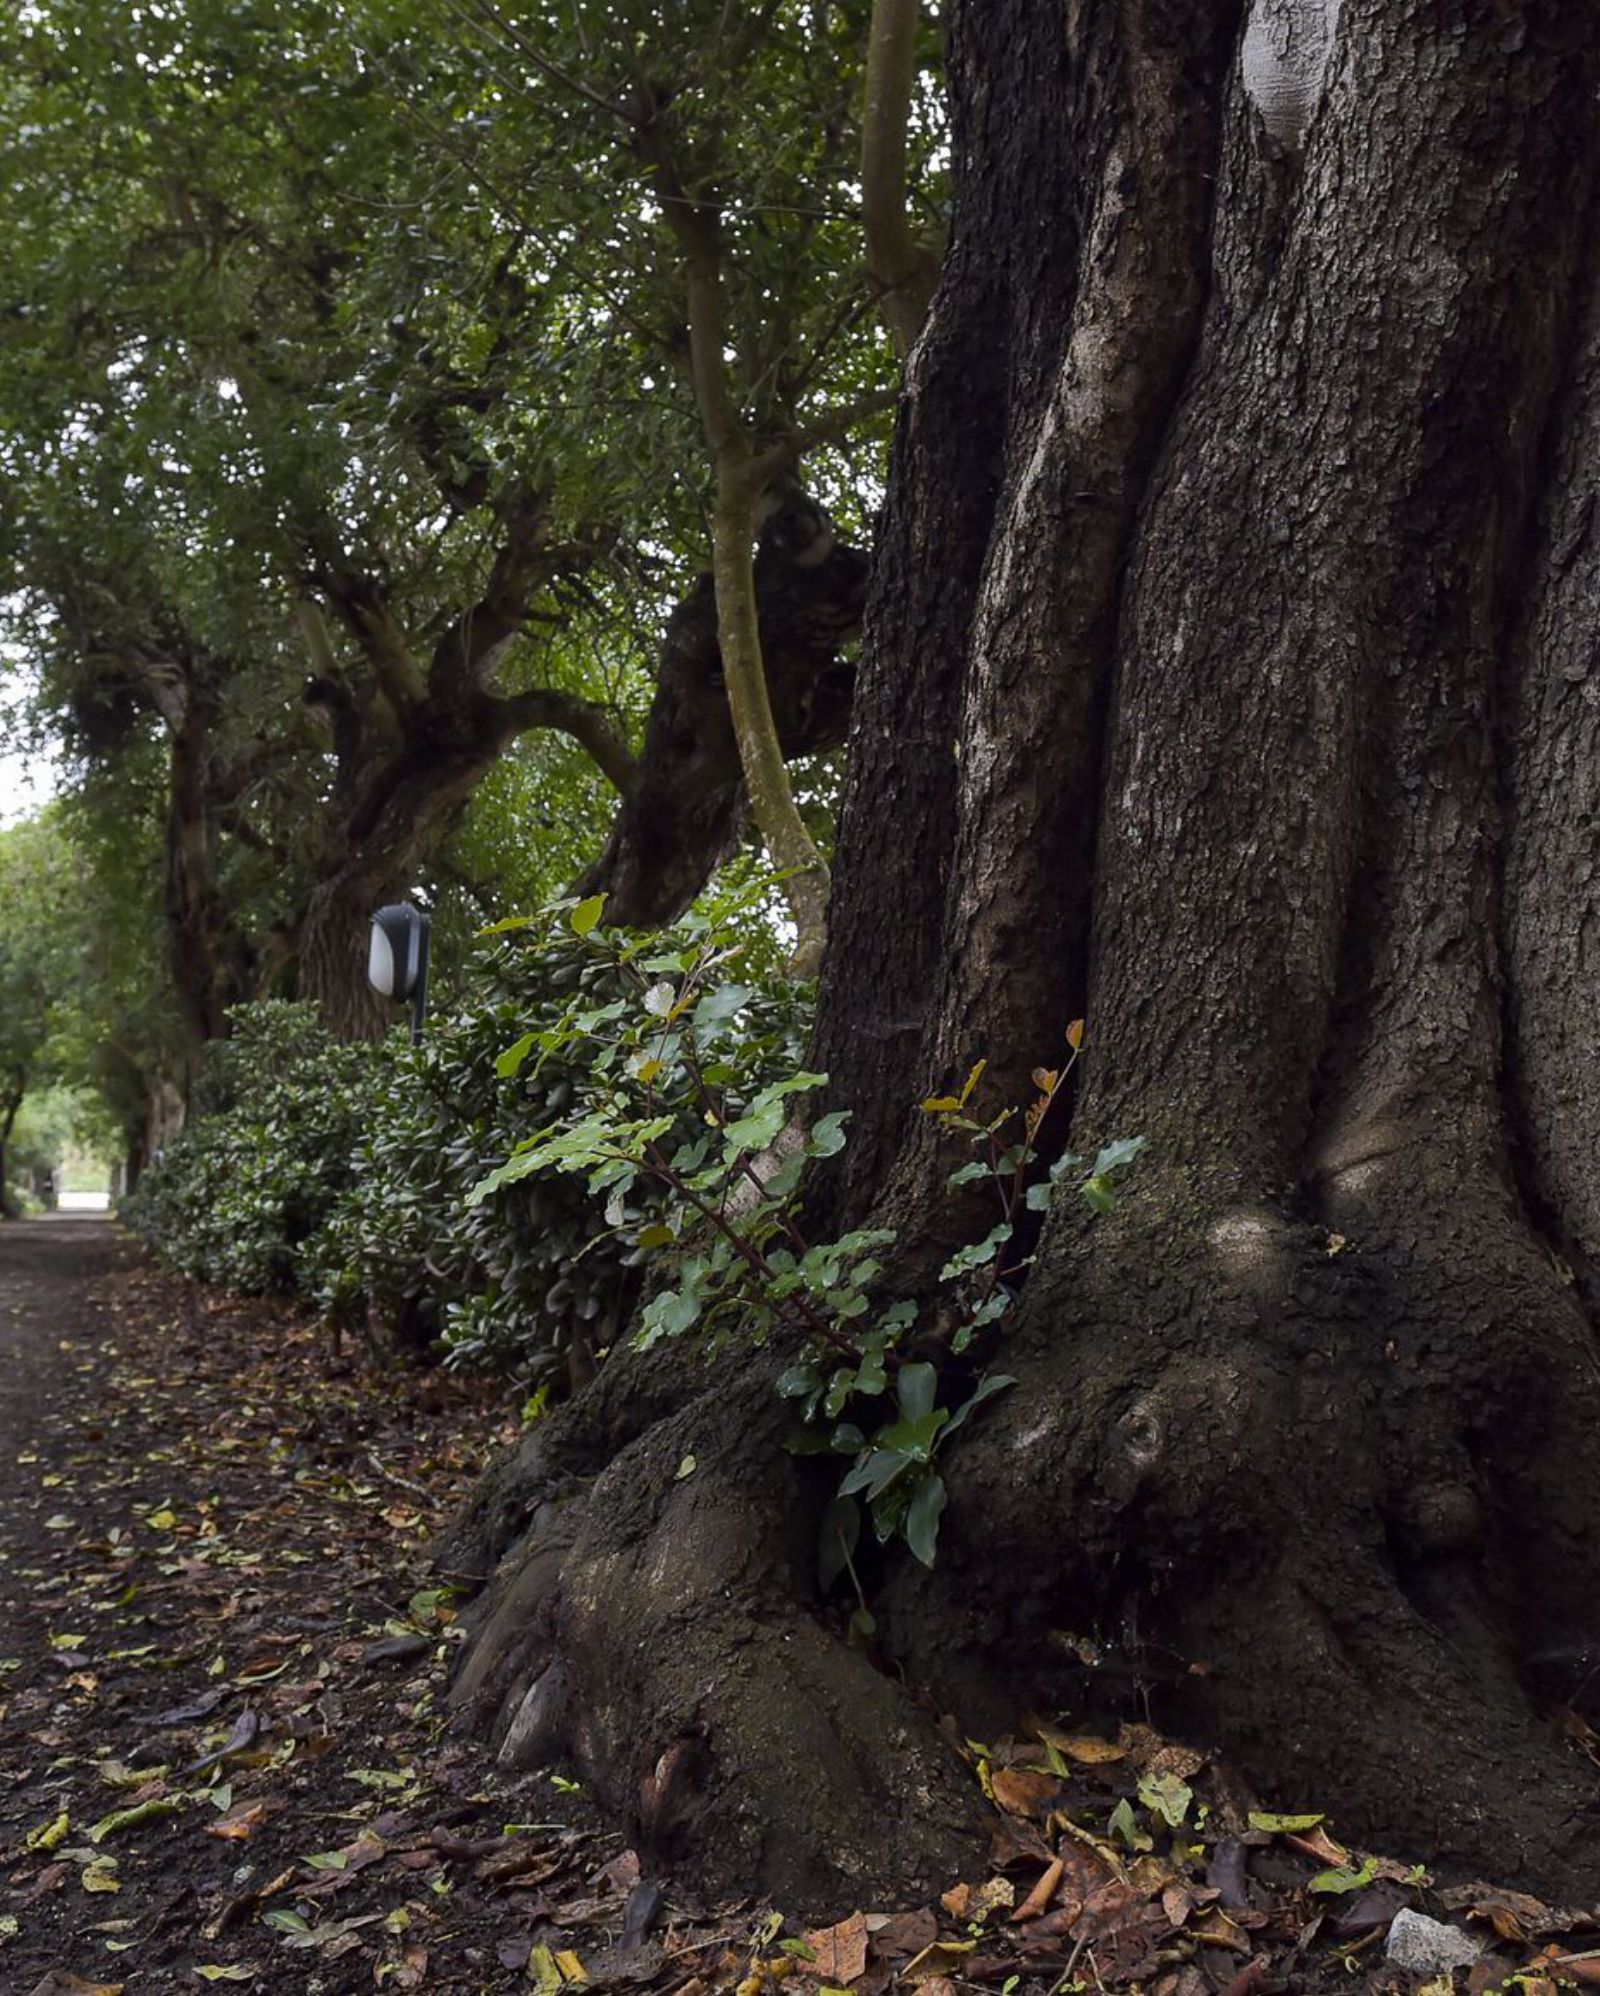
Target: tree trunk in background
pixel 8 1117
pixel 400 810
pixel 1228 678
pixel 684 809
pixel 208 959
pixel 683 804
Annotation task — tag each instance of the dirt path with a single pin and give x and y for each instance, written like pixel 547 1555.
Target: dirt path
pixel 49 1269
pixel 222 1758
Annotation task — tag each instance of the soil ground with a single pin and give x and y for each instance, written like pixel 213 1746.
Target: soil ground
pixel 223 1759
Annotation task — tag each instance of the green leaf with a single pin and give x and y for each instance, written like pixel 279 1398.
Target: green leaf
pixel 720 1005
pixel 1261 1819
pixel 755 1131
pixel 1125 1825
pixel 916 1389
pixel 871 1378
pixel 840 1387
pixel 587 914
pixel 1346 1878
pixel 987 1387
pixel 873 1474
pixel 914 1438
pixel 976 1254
pixel 1099 1194
pixel 797 1382
pixel 141 1812
pixel 967 1174
pixel 923 1515
pixel 669 1314
pixel 1115 1156
pixel 827 1134
pixel 510 1062
pixel 660 999
pixel 1164 1795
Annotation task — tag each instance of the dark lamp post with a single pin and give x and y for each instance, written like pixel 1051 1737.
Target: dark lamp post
pixel 397 959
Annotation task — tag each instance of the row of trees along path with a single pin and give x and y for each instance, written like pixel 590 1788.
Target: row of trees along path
pixel 1226 681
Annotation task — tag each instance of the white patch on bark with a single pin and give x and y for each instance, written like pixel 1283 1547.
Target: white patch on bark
pixel 1250 1245
pixel 1284 58
pixel 1248 1240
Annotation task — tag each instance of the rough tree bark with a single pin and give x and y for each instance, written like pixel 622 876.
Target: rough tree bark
pixel 1227 678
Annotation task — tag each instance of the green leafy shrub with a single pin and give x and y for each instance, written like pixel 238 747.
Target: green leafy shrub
pixel 666 1036
pixel 619 1120
pixel 266 1153
pixel 541 1272
pixel 342 1172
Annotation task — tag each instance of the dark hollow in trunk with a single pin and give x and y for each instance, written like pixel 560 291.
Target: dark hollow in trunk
pixel 1228 679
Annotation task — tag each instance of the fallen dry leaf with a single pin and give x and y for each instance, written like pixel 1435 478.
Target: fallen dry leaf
pixel 906 1933
pixel 1515 1916
pixel 1087 1749
pixel 1021 1792
pixel 1217 1930
pixel 1575 1967
pixel 839 1954
pixel 994 1895
pixel 1318 1844
pixel 944 1958
pixel 240 1822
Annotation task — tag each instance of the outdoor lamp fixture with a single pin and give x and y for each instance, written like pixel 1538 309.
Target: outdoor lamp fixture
pixel 397 959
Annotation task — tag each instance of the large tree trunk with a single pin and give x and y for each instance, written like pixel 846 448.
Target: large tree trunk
pixel 1240 544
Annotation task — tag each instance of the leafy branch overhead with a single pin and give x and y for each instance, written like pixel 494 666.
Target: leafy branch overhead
pixel 368 351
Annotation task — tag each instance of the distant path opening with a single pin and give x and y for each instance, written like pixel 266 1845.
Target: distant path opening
pixel 48 1267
